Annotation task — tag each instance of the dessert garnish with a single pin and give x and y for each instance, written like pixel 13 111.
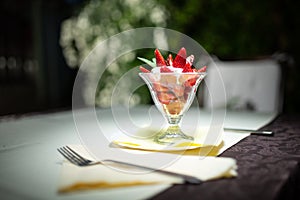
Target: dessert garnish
pixel 181 63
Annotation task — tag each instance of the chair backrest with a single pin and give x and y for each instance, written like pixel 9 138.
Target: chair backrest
pixel 249 85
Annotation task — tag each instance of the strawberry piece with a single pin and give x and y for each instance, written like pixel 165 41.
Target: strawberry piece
pixel 163 97
pixel 166 97
pixel 160 61
pixel 187 69
pixel 165 69
pixel 171 96
pixel 189 83
pixel 187 92
pixel 188 64
pixel 170 60
pixel 159 87
pixel 179 61
pixel 143 69
pixel 203 69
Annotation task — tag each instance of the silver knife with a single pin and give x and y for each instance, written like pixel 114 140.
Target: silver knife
pixel 253 132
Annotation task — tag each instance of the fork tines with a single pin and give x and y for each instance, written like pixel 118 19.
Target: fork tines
pixel 73 157
pixel 78 160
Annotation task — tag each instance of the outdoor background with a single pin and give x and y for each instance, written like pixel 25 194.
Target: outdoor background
pixel 42 43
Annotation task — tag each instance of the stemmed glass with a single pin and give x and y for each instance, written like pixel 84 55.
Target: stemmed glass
pixel 173 94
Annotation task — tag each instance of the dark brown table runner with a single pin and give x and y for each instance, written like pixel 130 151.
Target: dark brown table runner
pixel 269 168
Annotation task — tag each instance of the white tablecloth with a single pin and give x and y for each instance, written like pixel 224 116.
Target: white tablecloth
pixel 30 165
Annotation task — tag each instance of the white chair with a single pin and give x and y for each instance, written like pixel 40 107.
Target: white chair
pixel 248 85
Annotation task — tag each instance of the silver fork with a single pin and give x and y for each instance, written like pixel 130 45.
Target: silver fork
pixel 78 160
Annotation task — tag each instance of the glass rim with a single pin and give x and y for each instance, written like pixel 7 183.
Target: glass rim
pixel 173 73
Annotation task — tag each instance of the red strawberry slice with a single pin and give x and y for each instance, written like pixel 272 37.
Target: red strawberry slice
pixel 203 69
pixel 187 92
pixel 179 60
pixel 143 69
pixel 187 69
pixel 163 97
pixel 165 69
pixel 160 61
pixel 160 87
pixel 188 64
pixel 191 81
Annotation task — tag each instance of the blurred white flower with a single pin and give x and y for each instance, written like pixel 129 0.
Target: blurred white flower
pixel 97 21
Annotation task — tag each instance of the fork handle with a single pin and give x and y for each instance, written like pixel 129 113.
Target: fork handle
pixel 187 179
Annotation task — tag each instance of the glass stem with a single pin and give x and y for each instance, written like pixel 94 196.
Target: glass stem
pixel 174 120
pixel 173 132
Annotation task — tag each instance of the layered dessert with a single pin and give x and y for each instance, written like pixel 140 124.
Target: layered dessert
pixel 172 81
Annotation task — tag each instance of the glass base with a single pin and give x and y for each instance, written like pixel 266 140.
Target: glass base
pixel 172 135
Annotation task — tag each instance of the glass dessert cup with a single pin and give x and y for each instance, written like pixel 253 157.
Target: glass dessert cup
pixel 173 94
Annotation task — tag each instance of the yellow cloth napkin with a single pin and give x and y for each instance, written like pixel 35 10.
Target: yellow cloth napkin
pixel 74 178
pixel 204 144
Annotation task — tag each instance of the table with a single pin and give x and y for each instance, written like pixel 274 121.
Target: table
pixel 269 168
pixel 30 164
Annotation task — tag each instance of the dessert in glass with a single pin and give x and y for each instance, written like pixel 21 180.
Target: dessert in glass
pixel 173 85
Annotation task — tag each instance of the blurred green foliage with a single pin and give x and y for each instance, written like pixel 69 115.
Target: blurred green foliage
pixel 233 29
pixel 228 29
pixel 244 30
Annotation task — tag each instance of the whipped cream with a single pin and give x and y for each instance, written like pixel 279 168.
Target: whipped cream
pixel 173 69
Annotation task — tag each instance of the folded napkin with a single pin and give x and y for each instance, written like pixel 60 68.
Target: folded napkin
pixel 200 140
pixel 74 178
pixel 201 146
